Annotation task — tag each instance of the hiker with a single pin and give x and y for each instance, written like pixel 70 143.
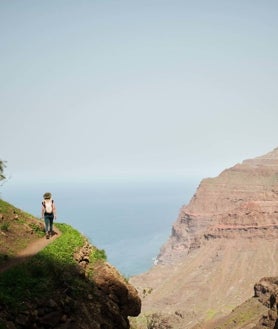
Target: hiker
pixel 48 213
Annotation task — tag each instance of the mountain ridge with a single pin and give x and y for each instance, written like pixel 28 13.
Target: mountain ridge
pixel 222 243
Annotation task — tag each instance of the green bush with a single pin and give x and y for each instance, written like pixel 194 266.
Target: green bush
pixel 5 226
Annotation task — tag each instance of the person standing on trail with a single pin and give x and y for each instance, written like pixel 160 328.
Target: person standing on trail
pixel 48 213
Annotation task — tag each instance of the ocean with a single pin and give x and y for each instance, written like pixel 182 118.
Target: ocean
pixel 130 220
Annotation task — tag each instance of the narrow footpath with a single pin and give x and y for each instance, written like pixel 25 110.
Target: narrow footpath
pixel 31 250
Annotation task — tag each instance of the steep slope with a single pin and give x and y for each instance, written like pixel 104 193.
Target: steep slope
pixel 258 312
pixel 67 285
pixel 223 242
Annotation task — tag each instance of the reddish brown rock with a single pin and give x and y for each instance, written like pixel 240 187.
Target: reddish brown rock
pixel 223 241
pixel 241 201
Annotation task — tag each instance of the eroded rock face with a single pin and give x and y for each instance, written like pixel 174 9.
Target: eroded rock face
pixel 124 295
pixel 267 292
pixel 223 241
pixel 241 201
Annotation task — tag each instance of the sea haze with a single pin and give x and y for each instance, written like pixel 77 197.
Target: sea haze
pixel 130 220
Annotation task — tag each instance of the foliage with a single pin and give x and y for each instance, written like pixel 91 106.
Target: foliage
pixel 61 250
pixel 4 226
pixel 97 254
pixel 52 268
pixel 4 206
pixel 36 229
pixel 2 166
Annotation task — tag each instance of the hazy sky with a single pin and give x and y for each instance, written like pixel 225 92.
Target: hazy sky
pixel 136 88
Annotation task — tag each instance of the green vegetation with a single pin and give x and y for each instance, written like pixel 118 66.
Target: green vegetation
pixel 210 314
pixel 50 270
pixel 36 229
pixel 2 166
pixel 97 254
pixel 62 282
pixel 4 206
pixel 61 250
pixel 17 230
pixel 4 226
pixel 248 312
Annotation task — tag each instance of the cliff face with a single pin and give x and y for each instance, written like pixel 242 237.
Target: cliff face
pixel 240 202
pixel 222 242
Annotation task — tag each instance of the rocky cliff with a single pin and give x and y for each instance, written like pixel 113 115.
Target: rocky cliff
pixel 223 242
pixel 241 202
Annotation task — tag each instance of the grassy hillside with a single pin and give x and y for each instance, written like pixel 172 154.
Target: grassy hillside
pixel 17 230
pixel 68 284
pixel 46 272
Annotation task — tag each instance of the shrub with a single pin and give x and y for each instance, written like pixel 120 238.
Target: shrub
pixel 5 226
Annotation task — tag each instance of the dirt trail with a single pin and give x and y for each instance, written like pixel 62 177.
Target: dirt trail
pixel 31 250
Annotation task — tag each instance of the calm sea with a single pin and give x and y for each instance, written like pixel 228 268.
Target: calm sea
pixel 130 220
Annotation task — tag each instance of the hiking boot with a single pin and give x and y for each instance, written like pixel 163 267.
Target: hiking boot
pixel 47 235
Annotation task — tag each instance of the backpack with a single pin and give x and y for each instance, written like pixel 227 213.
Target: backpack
pixel 48 206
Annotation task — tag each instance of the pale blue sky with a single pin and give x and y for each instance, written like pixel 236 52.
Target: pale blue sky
pixel 136 88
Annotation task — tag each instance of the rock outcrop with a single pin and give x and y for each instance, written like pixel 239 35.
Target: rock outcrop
pixel 266 290
pixel 223 242
pixel 107 302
